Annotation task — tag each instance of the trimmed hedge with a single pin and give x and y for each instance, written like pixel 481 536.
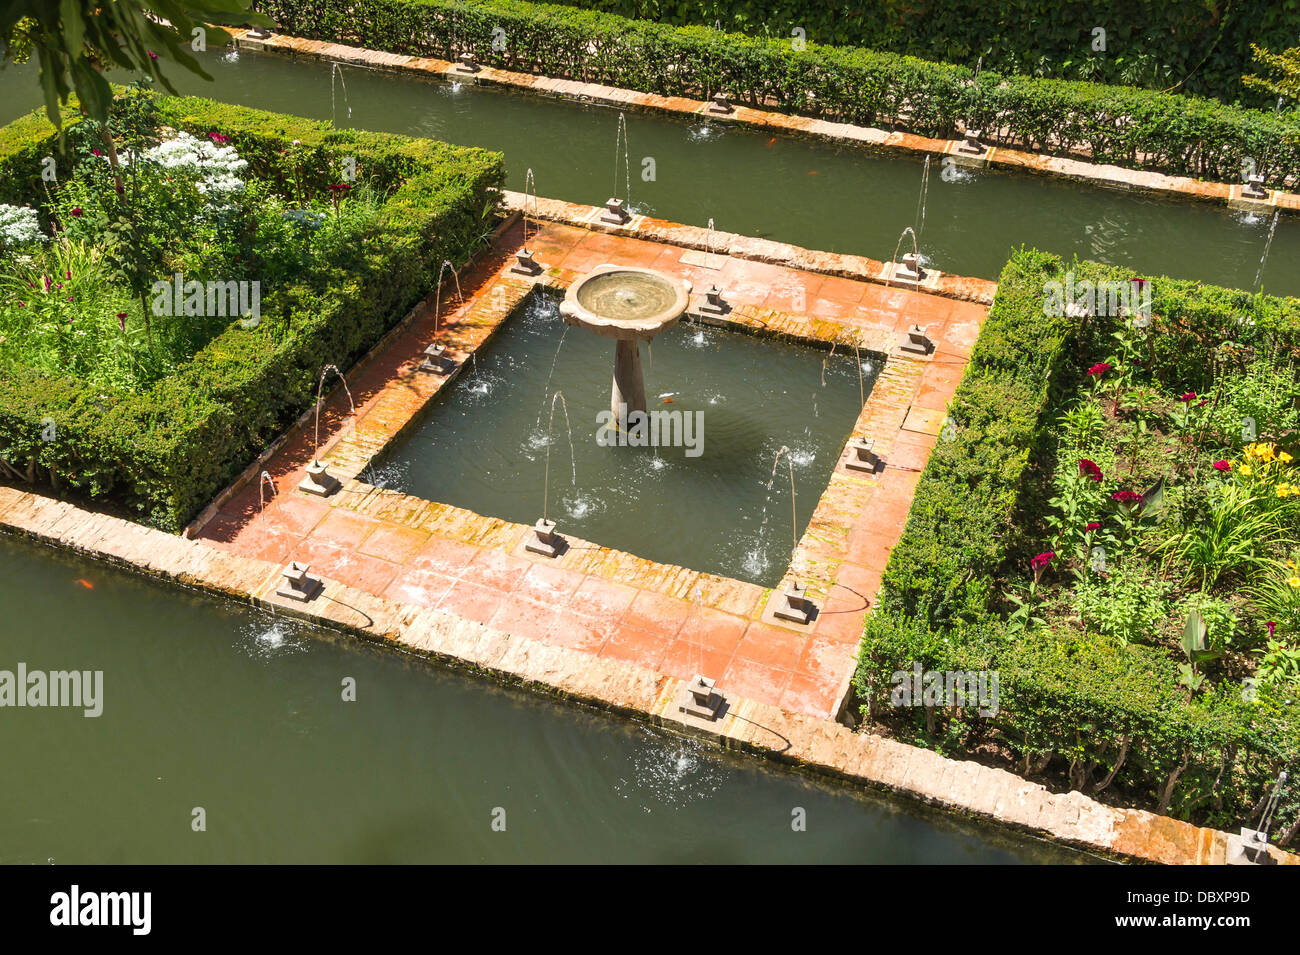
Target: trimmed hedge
pixel 1163 40
pixel 1064 701
pixel 1131 127
pixel 163 453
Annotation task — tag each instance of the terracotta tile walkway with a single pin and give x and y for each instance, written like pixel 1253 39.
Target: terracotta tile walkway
pixel 594 599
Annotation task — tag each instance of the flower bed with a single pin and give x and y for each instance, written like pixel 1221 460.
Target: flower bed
pixel 160 320
pixel 1109 528
pixel 1130 127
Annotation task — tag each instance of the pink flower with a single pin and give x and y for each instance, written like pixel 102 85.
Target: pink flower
pixel 121 320
pixel 152 55
pixel 1126 497
pixel 219 139
pixel 48 283
pixel 1272 626
pixel 1089 469
pixel 1042 560
pixel 95 152
pixel 1099 369
pixel 1222 466
pixel 1090 527
pixel 1201 403
pixel 1190 396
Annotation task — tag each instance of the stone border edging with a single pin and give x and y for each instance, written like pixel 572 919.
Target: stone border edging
pixel 856 267
pixel 1003 158
pixel 811 744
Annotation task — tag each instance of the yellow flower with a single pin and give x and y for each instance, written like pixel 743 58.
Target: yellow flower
pixel 1283 490
pixel 1293 581
pixel 1244 470
pixel 1285 458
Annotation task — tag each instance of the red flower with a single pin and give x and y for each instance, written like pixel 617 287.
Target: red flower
pixel 1272 626
pixel 1042 560
pixel 1089 469
pixel 1222 466
pixel 76 212
pixel 1099 369
pixel 94 152
pixel 121 320
pixel 1190 396
pixel 1126 497
pixel 340 187
pixel 1090 527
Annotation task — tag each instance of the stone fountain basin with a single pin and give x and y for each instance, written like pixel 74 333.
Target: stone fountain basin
pixel 625 302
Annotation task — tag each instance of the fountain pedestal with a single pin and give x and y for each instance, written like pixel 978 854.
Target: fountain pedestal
pixel 629 383
pixel 628 304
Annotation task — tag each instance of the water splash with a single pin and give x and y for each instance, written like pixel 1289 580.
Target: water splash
pixel 620 137
pixel 437 294
pixel 573 461
pixel 794 520
pixel 337 70
pixel 1268 244
pixel 529 183
pixel 261 488
pixel 352 408
pixel 920 204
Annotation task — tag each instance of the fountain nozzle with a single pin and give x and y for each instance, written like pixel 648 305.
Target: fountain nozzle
pixel 544 540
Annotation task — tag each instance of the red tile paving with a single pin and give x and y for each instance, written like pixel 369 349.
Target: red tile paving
pixel 599 601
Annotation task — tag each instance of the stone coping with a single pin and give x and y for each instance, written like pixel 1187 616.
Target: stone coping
pixel 995 157
pixel 815 745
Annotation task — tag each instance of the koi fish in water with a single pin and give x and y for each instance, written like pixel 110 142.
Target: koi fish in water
pixel 85 583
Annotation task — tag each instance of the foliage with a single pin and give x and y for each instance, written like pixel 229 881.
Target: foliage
pixel 1282 72
pixel 1098 692
pixel 1131 127
pixel 1200 46
pixel 162 443
pixel 75 41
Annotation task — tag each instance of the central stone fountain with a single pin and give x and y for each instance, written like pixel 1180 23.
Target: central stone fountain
pixel 630 305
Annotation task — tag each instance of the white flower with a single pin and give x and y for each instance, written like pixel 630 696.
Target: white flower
pixel 216 165
pixel 19 225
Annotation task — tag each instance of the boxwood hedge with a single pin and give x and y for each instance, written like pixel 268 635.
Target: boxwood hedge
pixel 1064 702
pixel 1131 127
pixel 163 453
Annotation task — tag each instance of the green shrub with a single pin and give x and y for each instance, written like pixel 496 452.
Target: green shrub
pixel 1113 124
pixel 1148 42
pixel 163 453
pixel 1105 715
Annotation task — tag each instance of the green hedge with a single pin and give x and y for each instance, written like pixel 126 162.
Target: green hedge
pixel 1063 701
pixel 165 452
pixel 1131 127
pixel 1147 41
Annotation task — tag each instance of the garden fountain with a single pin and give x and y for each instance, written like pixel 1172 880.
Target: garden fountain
pixel 435 356
pixel 261 489
pixel 791 602
pixel 545 540
pixel 616 209
pixel 318 480
pixel 628 304
pixel 700 697
pixel 525 264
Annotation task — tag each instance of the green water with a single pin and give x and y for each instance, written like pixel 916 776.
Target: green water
pixel 207 704
pixel 811 194
pixel 706 506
